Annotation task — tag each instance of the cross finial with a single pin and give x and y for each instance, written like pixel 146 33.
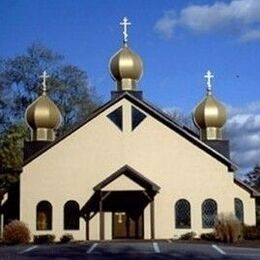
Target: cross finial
pixel 209 76
pixel 44 77
pixel 125 23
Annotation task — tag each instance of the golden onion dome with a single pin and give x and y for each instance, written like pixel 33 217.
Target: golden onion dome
pixel 126 67
pixel 43 117
pixel 43 113
pixel 210 115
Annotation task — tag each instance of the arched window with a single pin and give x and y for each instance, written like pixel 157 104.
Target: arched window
pixel 44 215
pixel 209 213
pixel 239 210
pixel 182 214
pixel 71 215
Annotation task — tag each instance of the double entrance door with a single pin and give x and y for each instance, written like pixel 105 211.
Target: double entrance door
pixel 127 226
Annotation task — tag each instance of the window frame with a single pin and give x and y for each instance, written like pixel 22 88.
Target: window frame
pixel 208 220
pixel 45 207
pixel 71 215
pixel 239 202
pixel 178 218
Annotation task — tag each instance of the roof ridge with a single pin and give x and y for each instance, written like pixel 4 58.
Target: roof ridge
pixel 156 113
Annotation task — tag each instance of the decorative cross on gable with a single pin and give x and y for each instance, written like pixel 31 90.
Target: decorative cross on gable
pixel 125 23
pixel 44 77
pixel 209 76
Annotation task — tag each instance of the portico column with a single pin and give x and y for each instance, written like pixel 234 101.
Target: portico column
pixel 87 226
pixel 152 218
pixel 101 218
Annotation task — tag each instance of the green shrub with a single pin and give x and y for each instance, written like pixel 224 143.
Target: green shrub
pixel 66 238
pixel 251 232
pixel 188 236
pixel 43 239
pixel 16 232
pixel 228 228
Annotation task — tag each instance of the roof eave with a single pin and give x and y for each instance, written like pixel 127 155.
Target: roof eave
pixel 155 112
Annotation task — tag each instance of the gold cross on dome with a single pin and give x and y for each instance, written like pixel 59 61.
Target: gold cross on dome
pixel 209 76
pixel 125 23
pixel 44 77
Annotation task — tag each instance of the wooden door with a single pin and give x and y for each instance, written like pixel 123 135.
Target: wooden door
pixel 126 227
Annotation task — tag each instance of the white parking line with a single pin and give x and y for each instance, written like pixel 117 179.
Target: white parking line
pixel 28 249
pixel 222 252
pixel 91 249
pixel 156 247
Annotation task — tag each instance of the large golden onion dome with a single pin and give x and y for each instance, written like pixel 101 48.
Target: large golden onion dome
pixel 43 117
pixel 210 115
pixel 126 67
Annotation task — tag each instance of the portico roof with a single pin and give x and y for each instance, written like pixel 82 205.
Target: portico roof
pixel 131 174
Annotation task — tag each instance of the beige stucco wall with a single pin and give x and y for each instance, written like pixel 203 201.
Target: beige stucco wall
pixel 70 170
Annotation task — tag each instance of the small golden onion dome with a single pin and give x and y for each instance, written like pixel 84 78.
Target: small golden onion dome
pixel 43 113
pixel 126 67
pixel 43 116
pixel 210 115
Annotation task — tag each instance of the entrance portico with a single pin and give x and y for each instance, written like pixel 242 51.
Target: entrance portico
pixel 125 194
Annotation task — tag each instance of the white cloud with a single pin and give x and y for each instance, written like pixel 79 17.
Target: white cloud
pixel 251 108
pixel 251 35
pixel 238 17
pixel 249 122
pixel 243 128
pixel 205 18
pixel 254 107
pixel 166 24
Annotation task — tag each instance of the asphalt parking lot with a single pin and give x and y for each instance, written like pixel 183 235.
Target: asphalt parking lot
pixel 128 250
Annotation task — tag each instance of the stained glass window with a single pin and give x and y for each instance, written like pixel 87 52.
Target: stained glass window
pixel 209 213
pixel 182 214
pixel 239 210
pixel 44 215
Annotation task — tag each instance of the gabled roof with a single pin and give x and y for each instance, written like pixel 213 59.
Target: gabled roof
pixel 131 174
pixel 157 114
pixel 253 192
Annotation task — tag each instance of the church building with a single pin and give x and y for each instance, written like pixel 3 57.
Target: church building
pixel 129 171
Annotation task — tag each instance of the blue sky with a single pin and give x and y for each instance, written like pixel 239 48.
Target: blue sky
pixel 177 40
